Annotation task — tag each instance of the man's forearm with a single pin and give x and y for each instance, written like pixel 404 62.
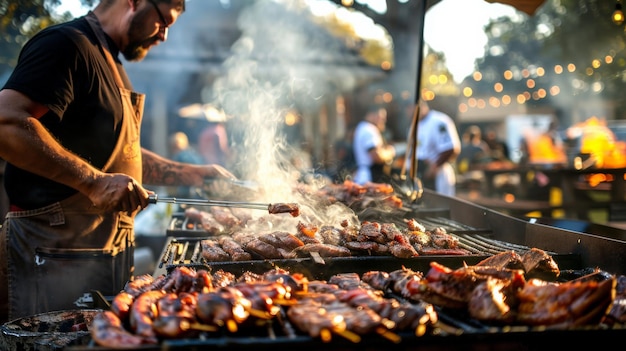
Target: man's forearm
pixel 29 146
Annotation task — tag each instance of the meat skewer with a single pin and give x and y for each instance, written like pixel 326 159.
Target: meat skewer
pixel 292 208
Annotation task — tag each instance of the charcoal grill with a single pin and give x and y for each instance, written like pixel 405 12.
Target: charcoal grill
pixel 481 231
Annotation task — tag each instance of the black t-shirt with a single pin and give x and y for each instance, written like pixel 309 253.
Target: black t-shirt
pixel 64 68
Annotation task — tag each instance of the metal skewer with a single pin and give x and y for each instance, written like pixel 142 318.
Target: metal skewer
pixel 154 198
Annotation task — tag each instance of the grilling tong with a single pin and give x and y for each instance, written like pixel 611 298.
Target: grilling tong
pixel 291 208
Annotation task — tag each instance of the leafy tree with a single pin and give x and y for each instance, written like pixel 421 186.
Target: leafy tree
pixel 20 20
pixel 562 33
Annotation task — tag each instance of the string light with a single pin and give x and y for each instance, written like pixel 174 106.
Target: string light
pixel 618 15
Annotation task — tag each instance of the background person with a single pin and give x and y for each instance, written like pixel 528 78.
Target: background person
pixel 75 167
pixel 474 151
pixel 182 151
pixel 498 149
pixel 438 145
pixel 213 140
pixel 371 152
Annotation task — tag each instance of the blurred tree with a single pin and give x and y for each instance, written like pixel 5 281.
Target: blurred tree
pixel 19 20
pixel 569 50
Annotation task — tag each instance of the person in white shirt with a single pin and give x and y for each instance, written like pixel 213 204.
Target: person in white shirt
pixel 372 154
pixel 438 145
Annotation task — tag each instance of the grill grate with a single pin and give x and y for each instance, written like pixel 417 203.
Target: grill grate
pixel 184 236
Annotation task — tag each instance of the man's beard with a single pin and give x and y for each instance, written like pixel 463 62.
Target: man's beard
pixel 135 51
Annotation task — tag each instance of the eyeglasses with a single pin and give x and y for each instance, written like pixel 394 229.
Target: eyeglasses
pixel 161 17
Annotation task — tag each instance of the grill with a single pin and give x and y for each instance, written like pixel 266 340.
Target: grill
pixel 183 248
pixel 481 231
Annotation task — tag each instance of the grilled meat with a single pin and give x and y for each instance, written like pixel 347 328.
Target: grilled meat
pixel 212 251
pixel 107 330
pixel 176 314
pixel 454 288
pixel 225 307
pixel 564 305
pixel 223 215
pixel 281 239
pixel 493 300
pixel 324 250
pixel 539 264
pixel 508 259
pixel 222 278
pixel 143 314
pixel 234 249
pixel 263 249
pixel 206 220
pixel 291 208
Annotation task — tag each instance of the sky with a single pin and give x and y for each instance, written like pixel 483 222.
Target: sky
pixel 454 27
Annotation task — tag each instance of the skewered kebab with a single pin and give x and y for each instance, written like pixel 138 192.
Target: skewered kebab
pixel 230 302
pixel 273 208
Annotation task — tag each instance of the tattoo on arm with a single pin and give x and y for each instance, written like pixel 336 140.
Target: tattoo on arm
pixel 157 171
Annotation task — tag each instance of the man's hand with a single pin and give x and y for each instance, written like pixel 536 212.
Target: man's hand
pixel 118 192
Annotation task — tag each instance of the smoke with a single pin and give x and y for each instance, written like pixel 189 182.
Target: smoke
pixel 277 67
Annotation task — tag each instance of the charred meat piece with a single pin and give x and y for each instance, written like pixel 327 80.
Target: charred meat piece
pixel 281 239
pixel 262 249
pixel 399 245
pixel 507 259
pixel 371 231
pixel 564 305
pixel 320 286
pixel 223 215
pixel 121 304
pixel 402 250
pixel 144 312
pixel 185 279
pixel 391 231
pixel 233 249
pixel 294 281
pixel 221 278
pixel 617 313
pixel 413 225
pixel 539 264
pixel 309 239
pixel 206 220
pixel 493 300
pixel 291 208
pixel 403 315
pixel 314 319
pixel 377 279
pixel 440 238
pixel 370 247
pixel 349 281
pixel 324 250
pixel 176 314
pixel 405 282
pixel 107 330
pixel 331 235
pixel 224 307
pixel 262 295
pixel 454 288
pixel 212 251
pixel 308 229
pixel 336 317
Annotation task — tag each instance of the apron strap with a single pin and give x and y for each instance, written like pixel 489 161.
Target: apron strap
pixel 95 26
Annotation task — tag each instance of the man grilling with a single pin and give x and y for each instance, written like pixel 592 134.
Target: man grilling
pixel 70 126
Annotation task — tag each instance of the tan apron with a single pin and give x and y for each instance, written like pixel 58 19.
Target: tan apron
pixel 58 253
